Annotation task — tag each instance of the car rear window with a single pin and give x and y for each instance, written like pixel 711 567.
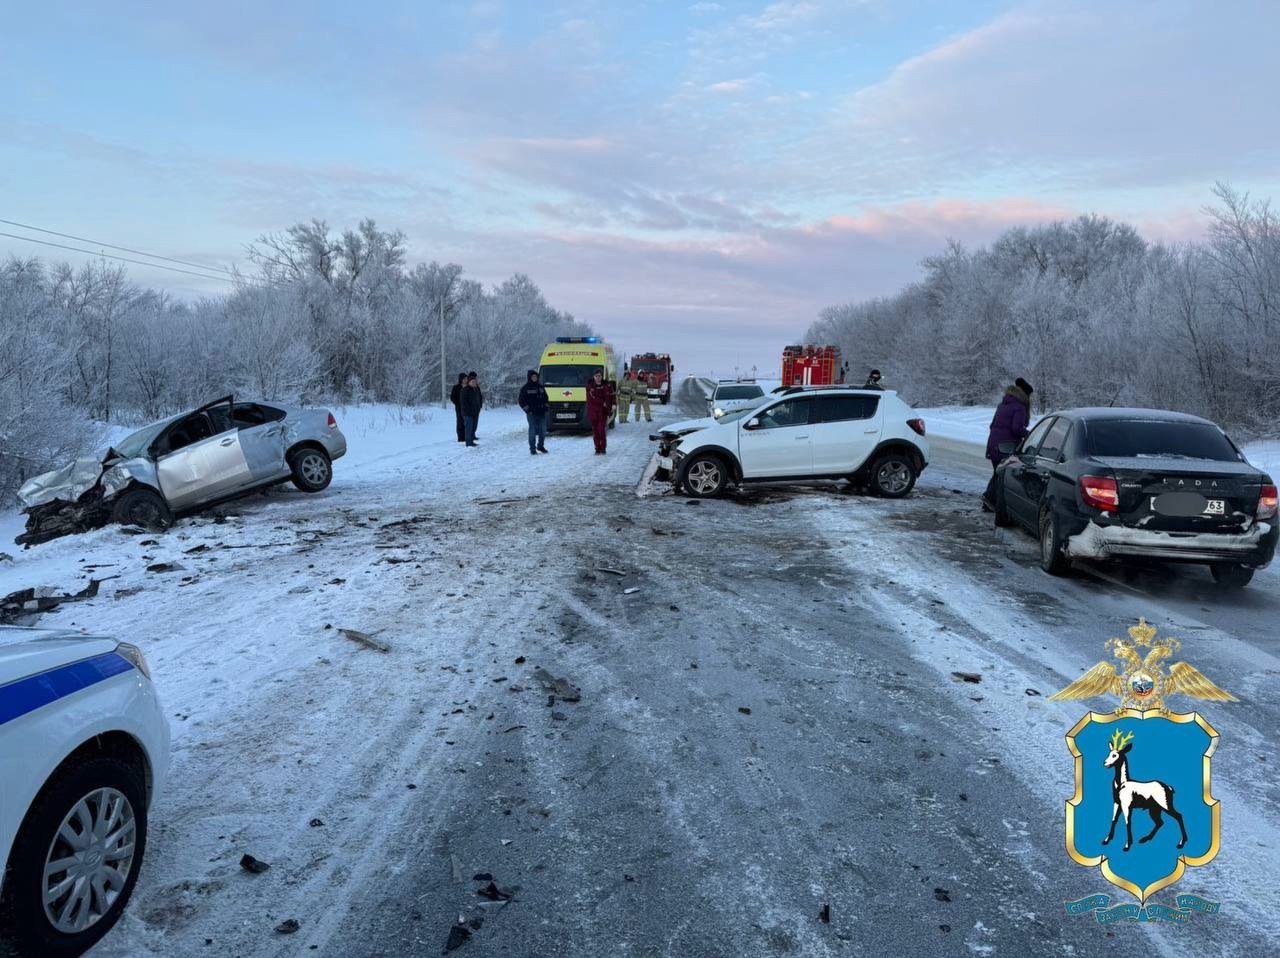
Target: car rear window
pixel 1147 438
pixel 739 392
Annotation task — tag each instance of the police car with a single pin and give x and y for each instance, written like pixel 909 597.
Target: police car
pixel 84 748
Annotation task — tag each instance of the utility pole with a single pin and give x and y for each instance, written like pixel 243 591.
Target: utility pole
pixel 444 376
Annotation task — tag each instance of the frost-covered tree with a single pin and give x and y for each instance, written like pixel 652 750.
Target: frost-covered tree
pixel 1092 314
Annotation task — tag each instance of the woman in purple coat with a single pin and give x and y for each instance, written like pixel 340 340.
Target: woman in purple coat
pixel 1010 422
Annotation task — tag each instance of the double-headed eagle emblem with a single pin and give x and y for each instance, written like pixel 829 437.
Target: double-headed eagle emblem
pixel 1141 681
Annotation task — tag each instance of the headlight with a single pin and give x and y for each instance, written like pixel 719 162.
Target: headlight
pixel 717 412
pixel 134 655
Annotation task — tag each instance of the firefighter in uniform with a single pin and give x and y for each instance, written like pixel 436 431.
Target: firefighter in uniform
pixel 626 392
pixel 641 394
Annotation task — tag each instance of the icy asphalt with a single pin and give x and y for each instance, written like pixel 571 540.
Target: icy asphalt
pixel 768 726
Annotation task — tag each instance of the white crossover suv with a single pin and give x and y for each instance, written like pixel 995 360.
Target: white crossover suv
pixel 869 437
pixel 84 748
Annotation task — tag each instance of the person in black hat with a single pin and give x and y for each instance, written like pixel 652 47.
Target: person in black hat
pixel 1011 420
pixel 873 380
pixel 1008 425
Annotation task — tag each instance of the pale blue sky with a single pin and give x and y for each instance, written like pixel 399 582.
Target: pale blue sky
pixel 699 177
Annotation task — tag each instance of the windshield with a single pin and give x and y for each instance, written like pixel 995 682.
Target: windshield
pixel 568 374
pixel 135 444
pixel 738 392
pixel 1123 438
pixel 649 367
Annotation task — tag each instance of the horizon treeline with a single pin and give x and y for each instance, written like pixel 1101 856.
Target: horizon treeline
pixel 1091 314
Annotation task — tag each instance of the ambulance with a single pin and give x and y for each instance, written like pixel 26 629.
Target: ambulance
pixel 567 366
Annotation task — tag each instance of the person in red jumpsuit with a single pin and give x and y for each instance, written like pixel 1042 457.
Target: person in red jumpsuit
pixel 600 401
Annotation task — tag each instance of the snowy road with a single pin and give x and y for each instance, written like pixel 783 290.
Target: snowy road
pixel 768 725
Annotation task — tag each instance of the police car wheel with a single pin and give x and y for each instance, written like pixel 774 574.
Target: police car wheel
pixel 75 859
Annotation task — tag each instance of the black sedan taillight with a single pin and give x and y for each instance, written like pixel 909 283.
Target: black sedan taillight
pixel 1100 492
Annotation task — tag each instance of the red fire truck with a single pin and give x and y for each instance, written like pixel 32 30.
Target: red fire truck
pixel 658 369
pixel 812 366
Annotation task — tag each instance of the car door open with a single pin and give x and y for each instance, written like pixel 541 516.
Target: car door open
pixel 262 441
pixel 199 459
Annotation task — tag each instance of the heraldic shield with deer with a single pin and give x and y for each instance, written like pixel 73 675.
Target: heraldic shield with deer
pixel 1143 808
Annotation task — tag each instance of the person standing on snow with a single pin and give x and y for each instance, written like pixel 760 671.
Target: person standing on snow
pixel 471 401
pixel 641 388
pixel 600 401
pixel 1008 425
pixel 455 397
pixel 626 392
pixel 533 400
pixel 471 376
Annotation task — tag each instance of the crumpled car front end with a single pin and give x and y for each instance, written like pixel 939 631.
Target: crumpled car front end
pixel 77 497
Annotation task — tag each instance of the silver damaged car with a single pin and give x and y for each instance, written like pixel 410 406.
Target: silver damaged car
pixel 222 450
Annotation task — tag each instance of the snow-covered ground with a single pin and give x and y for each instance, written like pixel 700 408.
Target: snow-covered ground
pixel 768 718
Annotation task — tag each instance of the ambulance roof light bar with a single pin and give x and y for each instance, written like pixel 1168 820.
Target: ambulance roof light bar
pixel 577 339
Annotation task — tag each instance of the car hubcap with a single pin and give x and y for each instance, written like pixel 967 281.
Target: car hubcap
pixel 894 477
pixel 314 469
pixel 703 477
pixel 89 861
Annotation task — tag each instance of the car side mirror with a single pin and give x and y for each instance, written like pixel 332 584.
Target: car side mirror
pixel 752 423
pixel 1007 448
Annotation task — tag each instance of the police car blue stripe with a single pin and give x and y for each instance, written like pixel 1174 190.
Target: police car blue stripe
pixel 36 691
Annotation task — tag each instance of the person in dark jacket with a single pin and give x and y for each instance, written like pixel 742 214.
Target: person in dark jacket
pixel 873 380
pixel 472 375
pixel 471 401
pixel 600 401
pixel 1009 424
pixel 533 400
pixel 455 397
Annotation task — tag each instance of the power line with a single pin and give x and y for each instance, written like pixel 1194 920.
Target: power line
pixel 122 259
pixel 123 249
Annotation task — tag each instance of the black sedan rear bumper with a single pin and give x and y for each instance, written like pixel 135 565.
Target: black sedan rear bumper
pixel 1255 547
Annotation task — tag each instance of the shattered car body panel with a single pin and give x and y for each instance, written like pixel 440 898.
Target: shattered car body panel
pixel 71 482
pixel 221 450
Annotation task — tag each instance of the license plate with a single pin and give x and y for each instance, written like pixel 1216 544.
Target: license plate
pixel 1187 504
pixel 566 415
